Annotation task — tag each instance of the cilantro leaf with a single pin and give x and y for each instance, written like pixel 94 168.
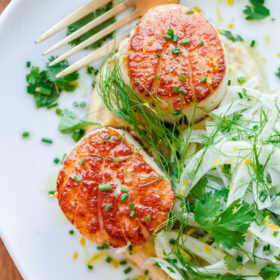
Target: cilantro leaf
pixel 198 190
pixel 231 262
pixel 45 87
pixel 90 17
pixel 230 36
pixel 69 122
pixel 227 226
pixel 278 73
pixel 269 272
pixel 257 11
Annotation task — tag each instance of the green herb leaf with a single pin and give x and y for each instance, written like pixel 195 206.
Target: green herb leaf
pixel 69 122
pixel 230 36
pixel 90 17
pixel 278 73
pixel 231 262
pixel 256 11
pixel 228 225
pixel 269 272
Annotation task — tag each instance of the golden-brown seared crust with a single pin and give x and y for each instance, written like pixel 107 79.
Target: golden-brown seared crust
pixel 110 158
pixel 159 76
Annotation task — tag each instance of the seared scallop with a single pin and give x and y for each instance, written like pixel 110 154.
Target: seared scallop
pixel 112 191
pixel 175 57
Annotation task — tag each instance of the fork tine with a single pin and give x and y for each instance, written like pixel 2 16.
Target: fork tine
pixel 97 36
pixel 78 14
pixel 116 10
pixel 99 53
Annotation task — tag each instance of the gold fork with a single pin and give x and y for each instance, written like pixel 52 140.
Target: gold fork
pixel 141 6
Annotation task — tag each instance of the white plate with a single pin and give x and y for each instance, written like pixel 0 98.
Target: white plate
pixel 32 226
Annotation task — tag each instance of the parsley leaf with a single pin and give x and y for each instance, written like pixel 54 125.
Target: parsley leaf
pixel 45 87
pixel 257 11
pixel 231 262
pixel 278 73
pixel 90 17
pixel 198 190
pixel 269 272
pixel 227 226
pixel 230 36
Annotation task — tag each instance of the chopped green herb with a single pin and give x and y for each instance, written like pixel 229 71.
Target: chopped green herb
pixel 28 64
pixel 108 259
pixel 256 11
pixel 158 55
pixel 82 162
pixel 177 113
pixel 52 105
pixel 241 80
pixel 183 91
pixel 108 207
pixel 107 137
pixel 78 134
pixel 148 219
pixel 201 42
pixel 231 262
pixel 167 37
pixel 105 187
pixel 278 73
pixel 125 197
pixel 186 41
pixel 123 262
pixel 104 246
pixel 176 89
pixel 132 214
pixel 71 232
pixel 90 267
pixel 131 206
pixel 47 140
pixel 182 78
pixel 51 192
pixel 204 79
pixel 89 18
pixel 58 111
pixel 25 134
pixel 146 272
pixel 175 38
pixel 239 259
pixel 170 31
pixel 127 270
pixel 83 104
pixel 229 82
pixel 269 272
pixel 230 36
pixel 176 51
pixel 190 12
pixel 124 189
pixel 56 160
pixel 77 178
pixel 240 95
pixel 75 104
pixel 63 158
pixel 156 77
pixel 253 42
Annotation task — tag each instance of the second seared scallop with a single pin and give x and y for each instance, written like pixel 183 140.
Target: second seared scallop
pixel 175 57
pixel 112 191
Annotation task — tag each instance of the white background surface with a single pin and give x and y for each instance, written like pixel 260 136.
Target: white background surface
pixel 31 224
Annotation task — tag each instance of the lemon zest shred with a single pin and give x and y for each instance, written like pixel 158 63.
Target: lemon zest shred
pixel 216 162
pixel 197 9
pixel 75 255
pixel 96 257
pixel 230 2
pixel 271 226
pixel 207 249
pixel 82 241
pixel 247 162
pixel 219 14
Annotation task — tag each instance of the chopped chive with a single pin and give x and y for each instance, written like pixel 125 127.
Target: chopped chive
pixel 63 158
pixel 175 38
pixel 77 178
pixel 182 78
pixel 130 249
pixel 148 219
pixel 170 31
pixel 28 64
pixel 229 82
pixel 239 259
pixel 124 189
pixel 83 104
pixel 108 259
pixel 158 55
pixel 58 111
pixel 127 270
pixel 172 241
pixel 182 90
pixel 82 162
pixel 176 113
pixel 204 79
pixel 52 105
pixel 51 192
pixel 56 160
pixel 90 267
pixel 107 137
pixel 123 262
pixel 241 80
pixel 108 207
pixel 131 206
pixel 103 246
pixel 176 89
pixel 90 69
pixel 240 95
pixel 176 51
pixel 146 272
pixel 105 187
pixel 275 233
pixel 190 12
pixel 253 42
pixel 25 134
pixel 167 37
pixel 71 232
pixel 201 42
pixel 132 214
pixel 47 140
pixel 156 77
pixel 125 197
pixel 75 104
pixel 186 41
